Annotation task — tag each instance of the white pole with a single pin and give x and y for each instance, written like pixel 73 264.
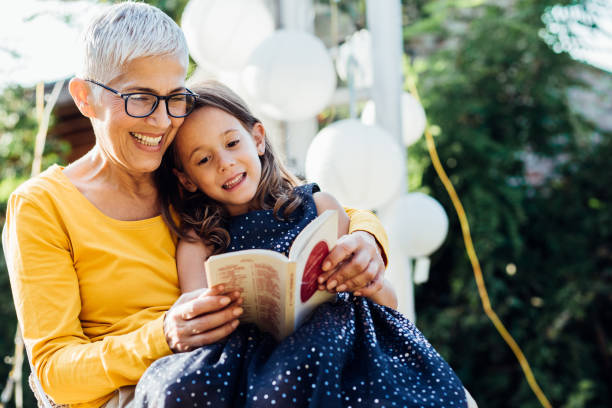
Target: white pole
pixel 298 15
pixel 384 18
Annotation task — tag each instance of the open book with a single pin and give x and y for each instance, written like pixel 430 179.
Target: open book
pixel 279 292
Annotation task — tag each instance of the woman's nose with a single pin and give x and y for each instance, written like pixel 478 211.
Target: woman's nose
pixel 160 115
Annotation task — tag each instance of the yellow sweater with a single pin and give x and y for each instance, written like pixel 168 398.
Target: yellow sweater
pixel 91 291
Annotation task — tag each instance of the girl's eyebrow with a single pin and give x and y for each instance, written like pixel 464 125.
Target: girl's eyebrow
pixel 197 149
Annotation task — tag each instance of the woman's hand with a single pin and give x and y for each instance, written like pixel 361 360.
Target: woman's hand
pixel 200 317
pixel 355 265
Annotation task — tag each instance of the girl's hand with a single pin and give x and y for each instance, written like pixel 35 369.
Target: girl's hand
pixel 355 264
pixel 200 317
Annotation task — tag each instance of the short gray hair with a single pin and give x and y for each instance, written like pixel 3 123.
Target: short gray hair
pixel 124 32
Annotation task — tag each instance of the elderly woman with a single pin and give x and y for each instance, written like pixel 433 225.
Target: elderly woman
pixel 91 261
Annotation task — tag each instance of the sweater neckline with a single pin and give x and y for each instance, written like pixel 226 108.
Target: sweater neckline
pixel 57 172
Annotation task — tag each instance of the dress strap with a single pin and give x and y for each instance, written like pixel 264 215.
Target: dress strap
pixel 308 189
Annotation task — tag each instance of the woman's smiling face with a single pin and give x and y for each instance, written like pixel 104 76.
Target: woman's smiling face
pixel 220 157
pixel 138 144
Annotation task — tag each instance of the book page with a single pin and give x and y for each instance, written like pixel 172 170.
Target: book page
pixel 262 277
pixel 313 244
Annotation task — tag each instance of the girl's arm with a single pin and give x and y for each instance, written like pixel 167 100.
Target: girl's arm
pixel 380 292
pixel 325 201
pixel 386 296
pixel 209 315
pixel 190 258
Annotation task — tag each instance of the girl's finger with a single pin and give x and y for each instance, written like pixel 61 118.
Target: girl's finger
pixel 211 321
pixel 201 305
pixel 212 336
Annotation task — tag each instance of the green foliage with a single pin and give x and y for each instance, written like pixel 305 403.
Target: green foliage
pixel 499 94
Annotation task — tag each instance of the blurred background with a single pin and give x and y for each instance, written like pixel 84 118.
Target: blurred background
pixel 518 99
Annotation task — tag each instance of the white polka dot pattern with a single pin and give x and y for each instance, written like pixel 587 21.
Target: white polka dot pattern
pixel 350 353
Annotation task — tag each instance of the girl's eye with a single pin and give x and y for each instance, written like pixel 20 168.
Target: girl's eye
pixel 204 160
pixel 233 143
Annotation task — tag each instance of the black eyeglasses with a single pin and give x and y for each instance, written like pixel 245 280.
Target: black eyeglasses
pixel 143 104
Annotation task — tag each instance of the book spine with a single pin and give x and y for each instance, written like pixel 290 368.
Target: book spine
pixel 290 301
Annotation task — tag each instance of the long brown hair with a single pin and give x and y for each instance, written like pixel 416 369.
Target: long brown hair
pixel 200 213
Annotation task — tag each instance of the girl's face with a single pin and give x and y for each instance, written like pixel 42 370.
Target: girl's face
pixel 220 157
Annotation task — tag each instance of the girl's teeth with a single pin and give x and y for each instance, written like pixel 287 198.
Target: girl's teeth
pixel 233 182
pixel 147 140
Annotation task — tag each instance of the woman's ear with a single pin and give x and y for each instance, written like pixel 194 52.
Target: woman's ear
pixel 185 181
pixel 259 135
pixel 81 94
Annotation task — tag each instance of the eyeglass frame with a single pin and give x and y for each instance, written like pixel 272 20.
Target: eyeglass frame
pixel 126 96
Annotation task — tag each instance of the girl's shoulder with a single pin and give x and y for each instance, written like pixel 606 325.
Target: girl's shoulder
pixel 319 200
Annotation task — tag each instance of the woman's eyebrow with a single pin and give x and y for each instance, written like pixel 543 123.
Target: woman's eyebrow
pixel 153 91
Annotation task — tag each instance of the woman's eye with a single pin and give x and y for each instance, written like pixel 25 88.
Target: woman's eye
pixel 233 143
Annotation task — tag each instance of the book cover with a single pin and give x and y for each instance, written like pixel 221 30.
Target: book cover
pixel 279 292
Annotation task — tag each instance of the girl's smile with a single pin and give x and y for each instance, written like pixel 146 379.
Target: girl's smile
pixel 220 157
pixel 234 181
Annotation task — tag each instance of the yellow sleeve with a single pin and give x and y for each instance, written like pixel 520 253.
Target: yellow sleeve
pixel 362 220
pixel 45 285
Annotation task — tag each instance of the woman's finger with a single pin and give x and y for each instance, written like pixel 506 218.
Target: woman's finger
pixel 361 278
pixel 353 269
pixel 372 287
pixel 342 251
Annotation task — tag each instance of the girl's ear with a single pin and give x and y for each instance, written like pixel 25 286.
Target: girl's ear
pixel 185 181
pixel 81 94
pixel 259 135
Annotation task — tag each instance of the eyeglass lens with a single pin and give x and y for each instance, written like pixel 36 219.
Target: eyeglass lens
pixel 143 104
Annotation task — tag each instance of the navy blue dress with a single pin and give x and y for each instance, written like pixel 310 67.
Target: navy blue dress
pixel 350 353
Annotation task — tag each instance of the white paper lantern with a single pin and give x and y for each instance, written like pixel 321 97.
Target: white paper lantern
pixel 221 34
pixel 413 118
pixel 290 75
pixel 362 166
pixel 359 48
pixel 417 223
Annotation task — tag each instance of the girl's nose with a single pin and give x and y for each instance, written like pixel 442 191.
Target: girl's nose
pixel 226 160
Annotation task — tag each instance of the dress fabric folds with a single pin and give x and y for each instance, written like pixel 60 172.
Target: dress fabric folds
pixel 350 353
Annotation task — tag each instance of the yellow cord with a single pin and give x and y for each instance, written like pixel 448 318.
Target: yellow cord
pixel 482 291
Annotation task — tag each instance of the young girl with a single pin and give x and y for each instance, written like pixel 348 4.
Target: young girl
pixel 233 194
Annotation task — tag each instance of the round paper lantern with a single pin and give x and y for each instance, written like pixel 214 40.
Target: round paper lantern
pixel 417 223
pixel 290 75
pixel 359 47
pixel 223 33
pixel 413 118
pixel 362 166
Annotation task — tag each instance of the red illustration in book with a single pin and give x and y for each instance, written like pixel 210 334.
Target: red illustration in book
pixel 312 270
